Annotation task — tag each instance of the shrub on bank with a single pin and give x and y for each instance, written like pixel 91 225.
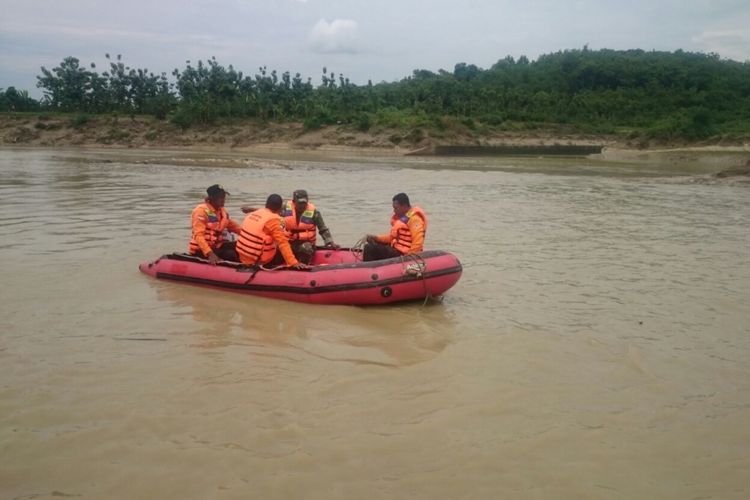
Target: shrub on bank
pixel 79 120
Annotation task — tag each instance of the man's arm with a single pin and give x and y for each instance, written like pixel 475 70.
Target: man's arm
pixel 417 234
pixel 325 233
pixel 198 222
pixel 273 227
pixel 385 239
pixel 234 226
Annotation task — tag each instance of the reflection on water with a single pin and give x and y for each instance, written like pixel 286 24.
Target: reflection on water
pixel 343 334
pixel 596 346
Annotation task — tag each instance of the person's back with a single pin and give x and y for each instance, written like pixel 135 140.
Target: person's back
pixel 262 235
pixel 255 244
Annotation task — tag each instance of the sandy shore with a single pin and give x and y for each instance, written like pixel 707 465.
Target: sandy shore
pixel 231 141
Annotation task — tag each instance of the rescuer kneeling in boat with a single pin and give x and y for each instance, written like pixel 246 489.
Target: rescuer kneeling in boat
pixel 408 227
pixel 262 235
pixel 302 223
pixel 209 220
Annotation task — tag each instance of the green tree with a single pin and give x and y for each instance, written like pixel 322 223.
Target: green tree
pixel 17 100
pixel 68 87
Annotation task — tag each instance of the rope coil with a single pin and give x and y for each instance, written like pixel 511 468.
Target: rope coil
pixel 416 269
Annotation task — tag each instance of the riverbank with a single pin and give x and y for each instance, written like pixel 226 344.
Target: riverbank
pixel 248 136
pixel 144 131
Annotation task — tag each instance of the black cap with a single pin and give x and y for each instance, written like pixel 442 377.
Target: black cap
pixel 216 190
pixel 300 195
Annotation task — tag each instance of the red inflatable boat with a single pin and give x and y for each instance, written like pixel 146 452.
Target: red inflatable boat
pixel 337 277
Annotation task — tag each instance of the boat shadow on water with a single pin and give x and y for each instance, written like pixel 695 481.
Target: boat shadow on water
pixel 392 335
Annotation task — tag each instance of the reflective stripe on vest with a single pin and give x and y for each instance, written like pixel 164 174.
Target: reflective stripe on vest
pixel 216 223
pixel 255 245
pixel 400 233
pixel 306 229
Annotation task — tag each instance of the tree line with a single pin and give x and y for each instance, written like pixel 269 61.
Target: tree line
pixel 663 94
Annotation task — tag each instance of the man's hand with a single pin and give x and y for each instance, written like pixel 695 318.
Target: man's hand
pixel 332 245
pixel 299 266
pixel 213 259
pixel 246 209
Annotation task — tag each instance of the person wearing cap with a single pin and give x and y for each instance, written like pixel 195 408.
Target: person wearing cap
pixel 262 236
pixel 408 228
pixel 209 220
pixel 302 223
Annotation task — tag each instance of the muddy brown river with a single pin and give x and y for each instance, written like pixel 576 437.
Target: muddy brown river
pixel 597 345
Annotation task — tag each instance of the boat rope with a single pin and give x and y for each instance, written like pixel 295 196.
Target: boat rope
pixel 357 249
pixel 417 269
pixel 255 269
pixel 260 267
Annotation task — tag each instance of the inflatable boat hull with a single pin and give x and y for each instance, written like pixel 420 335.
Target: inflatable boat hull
pixel 337 277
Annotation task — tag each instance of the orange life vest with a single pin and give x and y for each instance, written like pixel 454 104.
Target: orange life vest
pixel 216 222
pixel 306 229
pixel 400 232
pixel 255 245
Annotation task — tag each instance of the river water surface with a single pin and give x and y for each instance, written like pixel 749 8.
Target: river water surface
pixel 597 345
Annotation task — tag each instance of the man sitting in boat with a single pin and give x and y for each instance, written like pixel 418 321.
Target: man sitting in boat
pixel 408 228
pixel 209 220
pixel 303 221
pixel 262 236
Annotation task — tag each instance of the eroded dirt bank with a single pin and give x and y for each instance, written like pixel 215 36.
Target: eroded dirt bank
pixel 246 136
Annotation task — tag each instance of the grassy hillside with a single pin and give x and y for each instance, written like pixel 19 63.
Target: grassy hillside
pixel 632 96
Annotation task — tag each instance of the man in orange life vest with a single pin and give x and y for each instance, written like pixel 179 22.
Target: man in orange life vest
pixel 408 227
pixel 302 223
pixel 209 220
pixel 262 235
pixel 302 219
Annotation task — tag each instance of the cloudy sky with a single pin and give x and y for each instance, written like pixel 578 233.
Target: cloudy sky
pixel 363 39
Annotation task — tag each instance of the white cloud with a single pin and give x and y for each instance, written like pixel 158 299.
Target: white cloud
pixel 338 36
pixel 727 35
pixel 732 43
